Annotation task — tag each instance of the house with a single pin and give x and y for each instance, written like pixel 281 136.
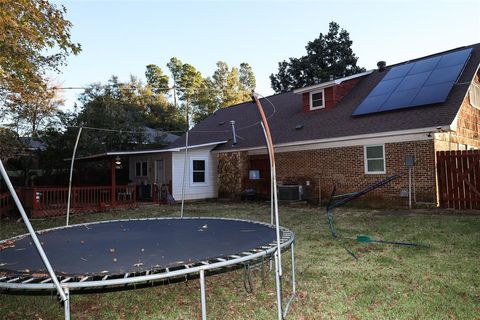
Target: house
pixel 348 132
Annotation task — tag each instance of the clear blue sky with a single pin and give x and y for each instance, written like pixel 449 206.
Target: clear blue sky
pixel 122 37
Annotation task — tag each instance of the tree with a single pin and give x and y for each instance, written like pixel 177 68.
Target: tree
pixel 126 109
pixel 156 79
pixel 33 111
pixel 10 144
pixel 188 83
pixel 327 56
pixel 203 96
pixel 34 38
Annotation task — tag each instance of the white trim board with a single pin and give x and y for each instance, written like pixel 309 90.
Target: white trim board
pixel 375 138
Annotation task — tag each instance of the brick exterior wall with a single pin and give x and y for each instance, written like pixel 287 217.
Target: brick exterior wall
pixel 344 167
pixel 467 133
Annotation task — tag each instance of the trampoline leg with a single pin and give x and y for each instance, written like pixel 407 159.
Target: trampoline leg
pixel 66 304
pixel 292 296
pixel 278 281
pixel 202 292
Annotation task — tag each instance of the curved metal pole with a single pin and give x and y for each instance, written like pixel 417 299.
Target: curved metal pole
pixel 273 174
pixel 273 177
pixel 184 174
pixel 271 181
pixel 39 247
pixel 71 174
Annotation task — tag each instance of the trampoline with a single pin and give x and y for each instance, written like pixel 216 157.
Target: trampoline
pixel 122 252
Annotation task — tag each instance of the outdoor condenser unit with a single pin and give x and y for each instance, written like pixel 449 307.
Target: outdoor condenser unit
pixel 290 192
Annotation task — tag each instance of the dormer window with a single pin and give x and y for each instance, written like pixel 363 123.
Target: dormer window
pixel 317 100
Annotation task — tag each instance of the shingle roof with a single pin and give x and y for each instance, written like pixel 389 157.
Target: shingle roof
pixel 327 123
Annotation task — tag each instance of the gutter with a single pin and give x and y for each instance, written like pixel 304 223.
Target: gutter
pixel 347 138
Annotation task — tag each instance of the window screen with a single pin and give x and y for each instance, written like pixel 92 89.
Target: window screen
pixel 374 159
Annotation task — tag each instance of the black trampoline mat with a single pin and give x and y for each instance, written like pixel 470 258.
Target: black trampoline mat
pixel 119 247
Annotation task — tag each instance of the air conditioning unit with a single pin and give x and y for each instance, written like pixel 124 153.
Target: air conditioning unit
pixel 290 192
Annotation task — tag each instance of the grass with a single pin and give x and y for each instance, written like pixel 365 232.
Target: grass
pixel 387 282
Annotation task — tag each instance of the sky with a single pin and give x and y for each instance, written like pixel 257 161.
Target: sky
pixel 122 37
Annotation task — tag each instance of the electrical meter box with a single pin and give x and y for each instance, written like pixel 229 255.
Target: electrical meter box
pixel 409 160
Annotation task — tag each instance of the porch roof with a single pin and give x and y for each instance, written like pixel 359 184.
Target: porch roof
pixel 135 152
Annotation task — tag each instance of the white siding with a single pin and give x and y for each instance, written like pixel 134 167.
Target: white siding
pixel 192 191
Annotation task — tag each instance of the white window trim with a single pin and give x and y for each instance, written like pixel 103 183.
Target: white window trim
pixel 323 99
pixel 366 162
pixel 198 184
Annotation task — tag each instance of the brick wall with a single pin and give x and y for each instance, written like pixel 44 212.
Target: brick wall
pixel 344 167
pixel 467 133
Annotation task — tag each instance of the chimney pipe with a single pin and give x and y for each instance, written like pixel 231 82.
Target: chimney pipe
pixel 232 122
pixel 381 66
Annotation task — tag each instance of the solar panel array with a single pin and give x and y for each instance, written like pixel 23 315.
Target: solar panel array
pixel 416 83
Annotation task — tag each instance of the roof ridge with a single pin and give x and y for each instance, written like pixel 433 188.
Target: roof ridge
pixel 435 54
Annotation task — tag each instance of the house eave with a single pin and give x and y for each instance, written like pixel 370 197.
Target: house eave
pixel 137 152
pixel 351 139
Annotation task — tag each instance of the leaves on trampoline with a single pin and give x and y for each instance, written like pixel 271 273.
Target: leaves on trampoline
pixel 112 250
pixel 138 264
pixel 7 244
pixel 203 228
pixel 83 259
pixel 40 275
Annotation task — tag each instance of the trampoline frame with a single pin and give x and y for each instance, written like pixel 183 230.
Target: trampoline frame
pixel 275 248
pixel 71 284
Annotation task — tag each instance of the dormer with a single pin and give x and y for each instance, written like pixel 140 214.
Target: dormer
pixel 327 94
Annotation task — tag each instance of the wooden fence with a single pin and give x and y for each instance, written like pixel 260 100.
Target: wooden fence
pixel 52 201
pixel 459 179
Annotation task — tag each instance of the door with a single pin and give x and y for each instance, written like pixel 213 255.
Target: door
pixel 160 173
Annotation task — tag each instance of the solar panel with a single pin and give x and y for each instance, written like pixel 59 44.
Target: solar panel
pixel 418 83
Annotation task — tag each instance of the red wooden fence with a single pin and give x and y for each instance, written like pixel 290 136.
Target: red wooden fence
pixel 6 204
pixel 52 201
pixel 459 179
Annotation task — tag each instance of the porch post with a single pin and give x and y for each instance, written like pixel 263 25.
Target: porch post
pixel 114 182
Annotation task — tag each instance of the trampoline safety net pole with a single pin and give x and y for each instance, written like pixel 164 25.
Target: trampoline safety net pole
pixel 69 196
pixel 273 174
pixel 185 163
pixel 39 247
pixel 271 182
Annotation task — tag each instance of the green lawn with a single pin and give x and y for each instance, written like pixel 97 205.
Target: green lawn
pixel 387 282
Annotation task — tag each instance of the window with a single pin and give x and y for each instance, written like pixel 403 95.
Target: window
pixel 374 159
pixel 198 169
pixel 141 169
pixel 316 100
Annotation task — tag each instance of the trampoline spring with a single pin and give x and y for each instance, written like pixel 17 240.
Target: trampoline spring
pixel 65 280
pixel 46 280
pixel 28 280
pixel 13 280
